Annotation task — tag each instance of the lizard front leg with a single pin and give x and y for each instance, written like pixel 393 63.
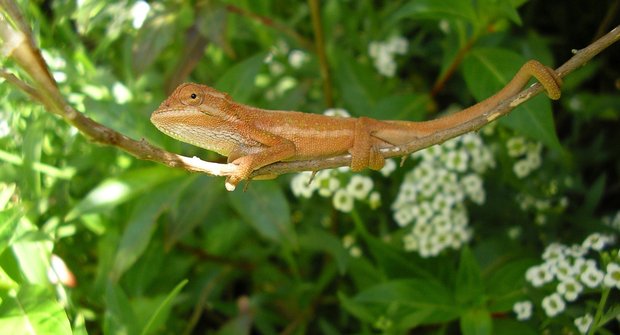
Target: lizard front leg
pixel 248 159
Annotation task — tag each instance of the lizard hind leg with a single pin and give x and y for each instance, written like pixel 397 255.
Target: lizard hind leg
pixel 363 153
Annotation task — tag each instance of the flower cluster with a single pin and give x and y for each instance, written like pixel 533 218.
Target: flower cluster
pixel 383 54
pixel 527 154
pixel 432 196
pixel 338 184
pixel 280 61
pixel 571 273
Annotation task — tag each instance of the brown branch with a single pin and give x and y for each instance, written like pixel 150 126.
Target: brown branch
pixel 315 13
pixel 19 45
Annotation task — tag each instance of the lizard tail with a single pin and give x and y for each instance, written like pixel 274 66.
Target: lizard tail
pixel 393 133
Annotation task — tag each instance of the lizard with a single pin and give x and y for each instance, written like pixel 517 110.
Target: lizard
pixel 252 137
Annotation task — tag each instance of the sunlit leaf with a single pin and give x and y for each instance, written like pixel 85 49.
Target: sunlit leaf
pixel 34 309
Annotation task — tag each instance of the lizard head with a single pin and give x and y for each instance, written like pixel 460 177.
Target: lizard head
pixel 193 111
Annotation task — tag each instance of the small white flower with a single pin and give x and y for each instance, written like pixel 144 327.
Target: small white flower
pixel 523 309
pixel 516 146
pixel 596 241
pixel 403 216
pixel 569 289
pixel 359 186
pixel 564 270
pixel 327 185
pixel 301 185
pixel 612 277
pixel 522 168
pixel 355 252
pixel 343 201
pixel 456 160
pixel 374 200
pixel 553 305
pixel 554 252
pixel 592 277
pixel 583 323
pixel 397 45
pixel 422 230
pixel 340 112
pixel 388 168
pixel 539 275
pixel 297 58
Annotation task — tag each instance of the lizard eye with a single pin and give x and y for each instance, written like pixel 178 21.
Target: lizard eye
pixel 191 95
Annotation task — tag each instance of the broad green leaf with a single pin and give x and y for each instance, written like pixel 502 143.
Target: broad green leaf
pixel 9 219
pixel 265 208
pixel 504 286
pixel 163 310
pixel 487 70
pixel 195 205
pixel 595 194
pixel 141 225
pixel 414 296
pixel 506 326
pixel 393 262
pixel 434 10
pixel 357 85
pixel 114 191
pixel 316 239
pixel 401 107
pixel 32 251
pixel 358 309
pixel 468 284
pixel 238 81
pixel 476 322
pixel 6 192
pixel 34 310
pixel 119 315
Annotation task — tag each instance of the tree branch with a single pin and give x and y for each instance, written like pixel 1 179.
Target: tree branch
pixel 18 43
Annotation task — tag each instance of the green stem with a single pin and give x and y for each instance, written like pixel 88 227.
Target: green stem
pixel 599 311
pixel 319 42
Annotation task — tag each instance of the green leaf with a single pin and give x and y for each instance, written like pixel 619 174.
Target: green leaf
pixel 141 225
pixel 415 296
pixel 32 250
pixel 357 84
pixel 476 322
pixel 119 317
pixel 358 309
pixel 34 310
pixel 317 239
pixel 401 107
pixel 9 219
pixel 595 194
pixel 114 191
pixel 265 208
pixel 434 10
pixel 238 81
pixel 163 310
pixel 487 70
pixel 468 279
pixel 393 262
pixel 504 286
pixel 506 326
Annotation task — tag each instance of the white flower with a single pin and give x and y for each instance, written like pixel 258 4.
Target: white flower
pixel 522 168
pixel 553 305
pixel 564 270
pixel 397 45
pixel 139 11
pixel 297 58
pixel 410 242
pixel 539 275
pixel 326 184
pixel 523 309
pixel 359 186
pixel 403 216
pixel 301 185
pixel 422 230
pixel 388 168
pixel 596 241
pixel 374 200
pixel 592 277
pixel 343 201
pixel 570 289
pixel 554 252
pixel 516 146
pixel 612 277
pixel 340 112
pixel 583 323
pixel 456 160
